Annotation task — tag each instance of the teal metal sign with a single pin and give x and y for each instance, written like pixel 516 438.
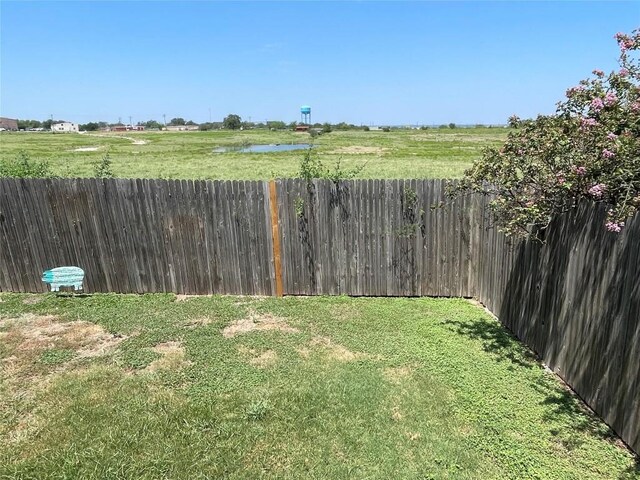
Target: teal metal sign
pixel 64 277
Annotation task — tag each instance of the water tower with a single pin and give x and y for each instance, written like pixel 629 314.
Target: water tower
pixel 305 115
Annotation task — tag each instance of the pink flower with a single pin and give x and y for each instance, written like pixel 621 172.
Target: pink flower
pixel 597 104
pixel 598 73
pixel 581 171
pixel 635 106
pixel 608 153
pixel 530 204
pixel 610 99
pixel 623 72
pixel 573 90
pixel 611 136
pixel 560 178
pixel 624 41
pixel 614 226
pixel 597 190
pixel 588 122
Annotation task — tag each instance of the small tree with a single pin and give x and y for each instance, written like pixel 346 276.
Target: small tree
pixel 312 167
pixel 589 149
pixel 103 167
pixel 232 122
pixel 152 124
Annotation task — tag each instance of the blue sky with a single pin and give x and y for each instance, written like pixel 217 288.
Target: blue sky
pixel 359 62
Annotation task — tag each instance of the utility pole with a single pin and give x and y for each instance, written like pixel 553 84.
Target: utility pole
pixel 119 120
pixel 164 116
pixel 130 124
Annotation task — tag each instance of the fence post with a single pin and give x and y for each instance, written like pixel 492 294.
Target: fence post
pixel 275 233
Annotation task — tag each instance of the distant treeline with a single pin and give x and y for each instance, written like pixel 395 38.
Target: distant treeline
pixel 235 122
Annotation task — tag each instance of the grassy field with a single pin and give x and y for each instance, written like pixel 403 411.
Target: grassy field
pixel 158 386
pixel 434 153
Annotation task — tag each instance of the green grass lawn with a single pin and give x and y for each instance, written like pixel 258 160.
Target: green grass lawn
pixel 434 153
pixel 155 386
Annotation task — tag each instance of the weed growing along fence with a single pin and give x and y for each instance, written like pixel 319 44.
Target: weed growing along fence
pixel 574 300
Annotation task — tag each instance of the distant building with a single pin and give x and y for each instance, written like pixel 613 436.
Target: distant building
pixel 126 128
pixel 65 127
pixel 302 128
pixel 181 128
pixel 8 124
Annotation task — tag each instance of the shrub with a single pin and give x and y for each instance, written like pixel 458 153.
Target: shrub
pixel 312 167
pixel 24 167
pixel 590 148
pixel 103 167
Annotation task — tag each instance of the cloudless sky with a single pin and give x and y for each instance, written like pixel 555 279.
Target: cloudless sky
pixel 359 62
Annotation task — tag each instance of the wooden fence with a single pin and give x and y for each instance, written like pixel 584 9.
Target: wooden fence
pixel 574 300
pixel 138 236
pixel 370 237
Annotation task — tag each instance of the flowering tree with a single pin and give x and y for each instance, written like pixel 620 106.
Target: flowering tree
pixel 590 148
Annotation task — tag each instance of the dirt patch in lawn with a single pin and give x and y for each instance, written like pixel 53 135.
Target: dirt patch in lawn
pixel 36 348
pixel 360 150
pixel 257 322
pixel 335 351
pixel 345 312
pixel 172 357
pixel 396 414
pixel 397 374
pixel 29 335
pixel 265 359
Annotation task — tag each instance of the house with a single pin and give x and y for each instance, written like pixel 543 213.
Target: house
pixel 8 124
pixel 302 128
pixel 64 127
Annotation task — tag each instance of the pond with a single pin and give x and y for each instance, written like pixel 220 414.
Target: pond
pixel 274 147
